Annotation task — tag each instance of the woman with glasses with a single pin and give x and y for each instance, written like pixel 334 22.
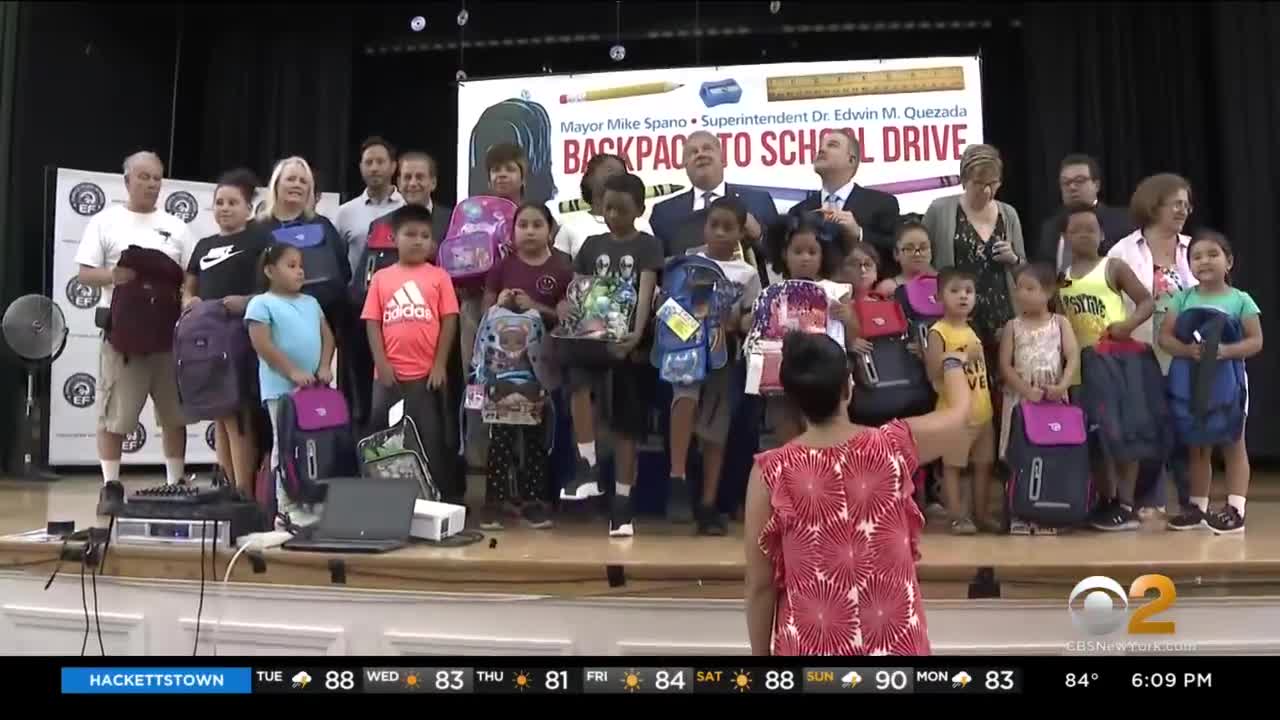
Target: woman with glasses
pixel 1157 253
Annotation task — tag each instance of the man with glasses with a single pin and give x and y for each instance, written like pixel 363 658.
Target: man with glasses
pixel 1079 180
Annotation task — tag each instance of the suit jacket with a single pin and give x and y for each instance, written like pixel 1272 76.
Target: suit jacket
pixel 1116 224
pixel 875 211
pixel 670 217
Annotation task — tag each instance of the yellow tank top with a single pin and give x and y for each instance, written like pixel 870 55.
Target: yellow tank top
pixel 959 339
pixel 1091 305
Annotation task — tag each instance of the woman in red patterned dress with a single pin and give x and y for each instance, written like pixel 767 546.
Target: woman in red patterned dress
pixel 831 527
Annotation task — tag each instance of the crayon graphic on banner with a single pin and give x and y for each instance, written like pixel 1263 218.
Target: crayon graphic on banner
pixel 875 82
pixel 652 191
pixel 653 88
pixel 902 187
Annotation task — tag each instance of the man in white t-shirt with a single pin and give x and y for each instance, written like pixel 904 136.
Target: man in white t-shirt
pixel 126 383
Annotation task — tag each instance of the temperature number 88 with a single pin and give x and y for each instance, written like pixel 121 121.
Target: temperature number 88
pixel 779 680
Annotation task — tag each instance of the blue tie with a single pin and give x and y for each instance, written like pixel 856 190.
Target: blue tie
pixel 833 201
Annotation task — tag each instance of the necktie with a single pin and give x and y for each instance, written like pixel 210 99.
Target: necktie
pixel 707 198
pixel 833 201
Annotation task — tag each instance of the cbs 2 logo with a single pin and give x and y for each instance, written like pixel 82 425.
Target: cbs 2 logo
pixel 1099 615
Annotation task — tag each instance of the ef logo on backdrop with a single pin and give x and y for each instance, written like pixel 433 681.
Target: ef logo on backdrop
pixel 1104 605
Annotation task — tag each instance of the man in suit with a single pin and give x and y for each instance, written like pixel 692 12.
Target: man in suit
pixel 852 213
pixel 677 220
pixel 1080 180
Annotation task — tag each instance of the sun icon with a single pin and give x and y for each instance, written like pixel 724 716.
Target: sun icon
pixel 412 681
pixel 631 681
pixel 742 681
pixel 522 681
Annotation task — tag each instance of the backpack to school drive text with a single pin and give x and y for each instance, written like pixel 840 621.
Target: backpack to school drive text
pixel 1048 457
pixel 507 362
pixel 689 340
pixel 145 310
pixel 889 382
pixel 215 364
pixel 479 236
pixel 379 252
pixel 1208 398
pixel 1123 395
pixel 320 263
pixel 313 433
pixel 793 305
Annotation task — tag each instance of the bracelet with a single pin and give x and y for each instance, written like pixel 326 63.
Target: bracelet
pixel 952 364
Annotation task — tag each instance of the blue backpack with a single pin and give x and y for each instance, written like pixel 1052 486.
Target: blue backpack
pixel 319 260
pixel 696 296
pixel 1208 398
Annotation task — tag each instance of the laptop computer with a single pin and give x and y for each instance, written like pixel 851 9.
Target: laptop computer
pixel 361 515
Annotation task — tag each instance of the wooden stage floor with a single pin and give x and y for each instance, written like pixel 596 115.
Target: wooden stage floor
pixel 578 560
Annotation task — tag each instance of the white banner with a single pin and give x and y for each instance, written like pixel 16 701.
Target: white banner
pixel 913 117
pixel 73 410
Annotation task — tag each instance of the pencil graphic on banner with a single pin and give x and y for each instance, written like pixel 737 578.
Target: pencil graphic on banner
pixel 874 82
pixel 901 187
pixel 653 88
pixel 652 191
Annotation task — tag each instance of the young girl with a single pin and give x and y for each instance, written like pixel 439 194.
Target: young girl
pixel 1091 299
pixel 294 345
pixel 913 251
pixel 1211 261
pixel 861 269
pixel 535 277
pixel 1038 356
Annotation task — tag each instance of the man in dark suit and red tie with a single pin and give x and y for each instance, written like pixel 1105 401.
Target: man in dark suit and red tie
pixel 852 213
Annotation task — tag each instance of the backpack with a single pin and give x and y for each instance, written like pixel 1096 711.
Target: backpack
pixel 313 432
pixel 798 305
pixel 320 262
pixel 1208 398
pixel 215 361
pixel 1123 394
pixel 600 313
pixel 919 300
pixel 889 382
pixel 1048 457
pixel 507 361
pixel 379 252
pixel 689 341
pixel 145 310
pixel 397 453
pixel 479 236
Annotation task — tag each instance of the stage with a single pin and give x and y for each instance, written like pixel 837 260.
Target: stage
pixel 572 590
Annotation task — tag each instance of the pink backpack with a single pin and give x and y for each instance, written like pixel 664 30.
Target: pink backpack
pixel 479 236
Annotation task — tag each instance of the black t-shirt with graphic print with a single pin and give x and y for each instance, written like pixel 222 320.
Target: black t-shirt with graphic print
pixel 602 255
pixel 228 264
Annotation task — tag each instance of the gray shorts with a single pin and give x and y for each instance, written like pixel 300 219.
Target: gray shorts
pixel 715 404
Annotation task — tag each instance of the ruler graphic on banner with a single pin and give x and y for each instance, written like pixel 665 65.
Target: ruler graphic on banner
pixel 73 402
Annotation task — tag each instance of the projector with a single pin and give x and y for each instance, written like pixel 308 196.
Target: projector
pixel 436 520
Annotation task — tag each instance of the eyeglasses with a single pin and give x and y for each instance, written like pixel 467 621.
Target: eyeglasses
pixel 915 250
pixel 1180 205
pixel 1075 182
pixel 992 185
pixel 865 266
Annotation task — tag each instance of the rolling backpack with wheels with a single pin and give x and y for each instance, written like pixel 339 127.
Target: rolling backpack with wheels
pixel 889 382
pixel 1048 457
pixel 479 236
pixel 214 360
pixel 316 442
pixel 1209 397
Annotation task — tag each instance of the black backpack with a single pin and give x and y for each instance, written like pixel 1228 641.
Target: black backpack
pixel 379 252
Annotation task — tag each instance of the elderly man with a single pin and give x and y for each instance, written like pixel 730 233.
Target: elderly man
pixel 125 383
pixel 1080 180
pixel 378 169
pixel 852 213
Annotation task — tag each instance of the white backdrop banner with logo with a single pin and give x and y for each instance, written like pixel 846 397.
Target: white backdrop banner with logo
pixel 912 116
pixel 73 408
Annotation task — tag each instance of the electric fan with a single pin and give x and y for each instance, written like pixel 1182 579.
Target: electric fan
pixel 35 330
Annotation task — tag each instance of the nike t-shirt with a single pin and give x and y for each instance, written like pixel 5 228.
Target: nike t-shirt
pixel 409 302
pixel 228 264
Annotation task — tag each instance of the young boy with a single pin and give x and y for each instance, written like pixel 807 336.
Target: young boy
pixel 707 408
pixel 634 257
pixel 411 314
pixel 976 446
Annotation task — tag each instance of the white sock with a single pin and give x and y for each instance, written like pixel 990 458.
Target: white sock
pixel 1201 502
pixel 623 490
pixel 110 471
pixel 587 451
pixel 1237 502
pixel 173 469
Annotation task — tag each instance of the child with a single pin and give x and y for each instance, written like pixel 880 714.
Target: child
pixel 532 278
pixel 975 447
pixel 411 317
pixel 805 254
pixel 861 269
pixel 634 257
pixel 707 408
pixel 1038 356
pixel 294 344
pixel 1211 261
pixel 1091 299
pixel 913 251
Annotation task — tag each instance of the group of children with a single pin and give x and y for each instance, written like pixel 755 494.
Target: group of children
pixel 411 315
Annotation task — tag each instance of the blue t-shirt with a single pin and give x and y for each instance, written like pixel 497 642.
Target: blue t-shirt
pixel 295 330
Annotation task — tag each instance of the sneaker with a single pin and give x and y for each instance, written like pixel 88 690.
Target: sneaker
pixel 583 484
pixel 963 526
pixel 1103 509
pixel 1019 527
pixel 491 517
pixel 1227 521
pixel 535 515
pixel 710 522
pixel 935 511
pixel 621 517
pixel 1191 518
pixel 1043 530
pixel 1116 518
pixel 679 506
pixel 111 498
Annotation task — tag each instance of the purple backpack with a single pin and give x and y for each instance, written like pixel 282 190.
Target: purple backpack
pixel 1048 456
pixel 315 440
pixel 919 299
pixel 216 366
pixel 479 236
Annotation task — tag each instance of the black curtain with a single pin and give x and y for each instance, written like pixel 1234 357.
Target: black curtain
pixel 11 254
